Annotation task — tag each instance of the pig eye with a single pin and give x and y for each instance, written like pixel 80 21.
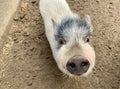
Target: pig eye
pixel 61 41
pixel 87 39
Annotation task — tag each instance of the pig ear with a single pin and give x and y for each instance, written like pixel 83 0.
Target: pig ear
pixel 88 20
pixel 54 24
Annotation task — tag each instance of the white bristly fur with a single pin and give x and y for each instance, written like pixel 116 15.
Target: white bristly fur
pixel 57 10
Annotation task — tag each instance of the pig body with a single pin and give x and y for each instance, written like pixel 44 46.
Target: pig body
pixel 69 37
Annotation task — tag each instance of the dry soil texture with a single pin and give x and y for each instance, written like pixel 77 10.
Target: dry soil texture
pixel 26 61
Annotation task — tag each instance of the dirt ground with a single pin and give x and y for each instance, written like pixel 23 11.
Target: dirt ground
pixel 26 61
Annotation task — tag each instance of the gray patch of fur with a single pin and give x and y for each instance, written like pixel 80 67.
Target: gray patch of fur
pixel 74 27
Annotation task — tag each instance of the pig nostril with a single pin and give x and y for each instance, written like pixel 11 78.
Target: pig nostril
pixel 85 64
pixel 72 65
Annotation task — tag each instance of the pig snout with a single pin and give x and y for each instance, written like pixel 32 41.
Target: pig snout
pixel 77 65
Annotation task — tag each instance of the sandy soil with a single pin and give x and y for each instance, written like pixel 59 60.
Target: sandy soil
pixel 26 61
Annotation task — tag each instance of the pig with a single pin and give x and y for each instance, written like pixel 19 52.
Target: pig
pixel 69 36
